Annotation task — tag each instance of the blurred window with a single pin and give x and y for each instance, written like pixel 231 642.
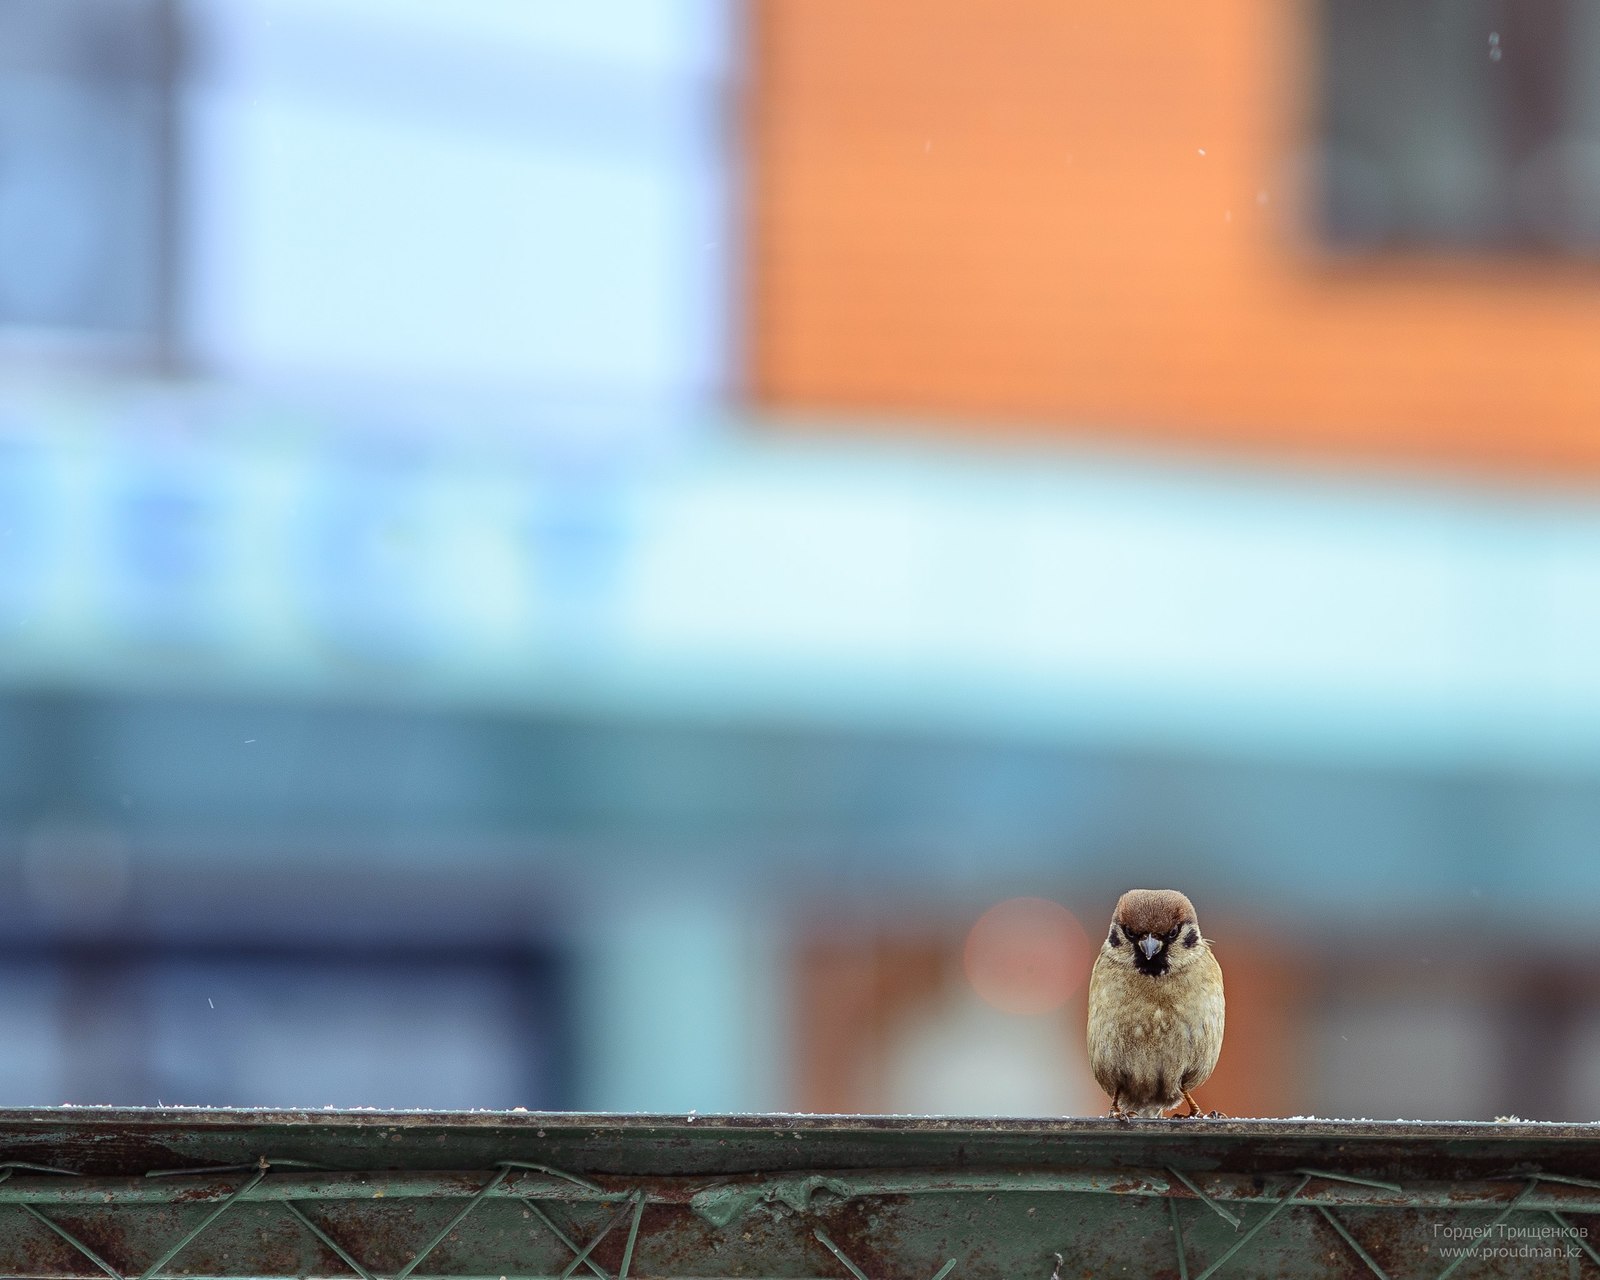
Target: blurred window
pixel 1461 125
pixel 86 154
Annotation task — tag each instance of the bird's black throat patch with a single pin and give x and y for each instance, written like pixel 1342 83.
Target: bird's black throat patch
pixel 1154 966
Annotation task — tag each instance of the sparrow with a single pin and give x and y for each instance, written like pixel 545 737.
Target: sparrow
pixel 1155 1005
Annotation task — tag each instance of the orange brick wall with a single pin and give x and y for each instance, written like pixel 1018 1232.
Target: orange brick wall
pixel 1000 213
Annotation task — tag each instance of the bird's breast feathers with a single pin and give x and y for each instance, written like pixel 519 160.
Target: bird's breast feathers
pixel 1168 1027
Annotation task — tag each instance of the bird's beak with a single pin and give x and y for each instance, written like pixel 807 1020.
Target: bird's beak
pixel 1150 945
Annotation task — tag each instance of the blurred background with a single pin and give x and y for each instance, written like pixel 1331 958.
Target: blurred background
pixel 679 554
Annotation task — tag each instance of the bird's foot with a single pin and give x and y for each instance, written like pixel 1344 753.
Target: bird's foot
pixel 1193 1113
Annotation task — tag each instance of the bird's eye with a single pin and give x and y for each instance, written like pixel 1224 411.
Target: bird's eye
pixel 1172 934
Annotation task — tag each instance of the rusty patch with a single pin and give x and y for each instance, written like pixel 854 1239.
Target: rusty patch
pixel 1396 1239
pixel 383 1235
pixel 43 1253
pixel 866 1230
pixel 104 1231
pixel 192 1195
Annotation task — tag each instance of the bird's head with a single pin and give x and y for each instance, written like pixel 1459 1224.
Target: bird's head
pixel 1155 931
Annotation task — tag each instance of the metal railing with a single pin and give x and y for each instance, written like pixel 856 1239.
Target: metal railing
pixel 88 1192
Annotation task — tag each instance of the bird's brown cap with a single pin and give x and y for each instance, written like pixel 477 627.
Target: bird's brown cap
pixel 1154 911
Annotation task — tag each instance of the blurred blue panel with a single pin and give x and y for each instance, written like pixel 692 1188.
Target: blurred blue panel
pixel 298 1033
pixel 672 986
pixel 363 558
pixel 486 197
pixel 29 492
pixel 84 105
pixel 1059 598
pixel 294 1027
pixel 166 553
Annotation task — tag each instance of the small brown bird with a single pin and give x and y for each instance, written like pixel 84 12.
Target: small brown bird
pixel 1155 1005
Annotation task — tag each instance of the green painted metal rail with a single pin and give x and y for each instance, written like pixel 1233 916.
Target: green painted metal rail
pixel 87 1192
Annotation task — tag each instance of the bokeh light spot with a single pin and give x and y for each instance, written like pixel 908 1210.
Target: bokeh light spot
pixel 1027 955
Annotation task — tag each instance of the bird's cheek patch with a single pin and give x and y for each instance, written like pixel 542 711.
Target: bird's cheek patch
pixel 1192 938
pixel 1116 938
